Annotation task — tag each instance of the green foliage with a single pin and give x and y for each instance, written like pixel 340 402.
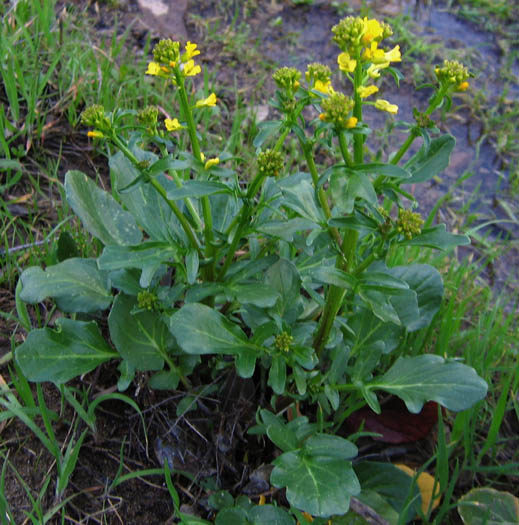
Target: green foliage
pixel 289 273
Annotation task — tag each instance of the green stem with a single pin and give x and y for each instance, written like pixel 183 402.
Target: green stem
pixel 344 147
pixel 281 139
pixel 321 195
pixel 195 145
pixel 358 139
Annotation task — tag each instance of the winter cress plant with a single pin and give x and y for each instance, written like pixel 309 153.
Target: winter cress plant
pixel 289 277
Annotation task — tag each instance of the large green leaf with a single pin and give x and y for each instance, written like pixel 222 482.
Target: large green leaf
pixel 431 378
pixel 148 257
pixel 258 294
pixel 197 189
pixel 429 161
pixel 199 329
pixel 427 283
pixel 486 506
pixel 141 338
pixel 321 485
pixel 300 196
pixel 143 201
pixel 74 348
pixel 101 215
pixel 437 237
pixel 77 285
pixel 348 187
pixel 284 278
pixel 379 168
pixel 389 482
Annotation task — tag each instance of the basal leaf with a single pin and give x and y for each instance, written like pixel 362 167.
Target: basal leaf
pixel 74 348
pixel 319 485
pixel 101 215
pixel 141 338
pixel 76 284
pixel 199 329
pixel 416 380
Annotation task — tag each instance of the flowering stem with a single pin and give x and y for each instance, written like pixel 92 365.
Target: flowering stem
pixel 344 147
pixel 358 139
pixel 321 195
pixel 281 139
pixel 206 206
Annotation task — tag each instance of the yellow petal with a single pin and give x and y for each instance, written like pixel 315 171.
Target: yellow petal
pixel 323 87
pixel 393 55
pixel 366 91
pixel 209 101
pixel 153 69
pixel 372 30
pixel 425 484
pixel 173 124
pixel 95 134
pixel 211 162
pixel 384 105
pixel 351 122
pixel 190 70
pixel 191 51
pixel 346 63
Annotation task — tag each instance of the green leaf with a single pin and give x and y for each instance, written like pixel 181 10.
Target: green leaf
pixel 282 436
pixel 391 483
pixel 417 380
pixel 74 348
pixel 197 189
pixel 192 265
pixel 263 514
pixel 278 375
pixel 300 196
pixel 145 204
pixel 346 188
pixel 427 283
pixel 147 254
pixel 330 446
pixel 246 363
pixel 334 276
pixel 266 130
pixel 141 338
pixel 283 277
pixel 127 371
pixel 486 506
pixel 429 162
pixel 379 168
pixel 319 485
pixel 199 329
pixel 77 285
pixel 100 214
pixel 164 380
pixel 258 294
pixel 437 237
pixel 287 229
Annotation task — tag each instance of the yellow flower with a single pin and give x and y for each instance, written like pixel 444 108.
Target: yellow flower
pixel 375 55
pixel 374 69
pixel 153 69
pixel 323 87
pixel 366 91
pixel 190 70
pixel 209 101
pixel 262 499
pixel 191 51
pixel 173 124
pixel 209 163
pixel 393 55
pixel 372 30
pixel 346 63
pixel 384 105
pixel 463 86
pixel 351 122
pixel 95 134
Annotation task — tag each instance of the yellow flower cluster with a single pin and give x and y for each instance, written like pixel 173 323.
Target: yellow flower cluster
pixel 209 163
pixel 167 57
pixel 453 74
pixel 359 40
